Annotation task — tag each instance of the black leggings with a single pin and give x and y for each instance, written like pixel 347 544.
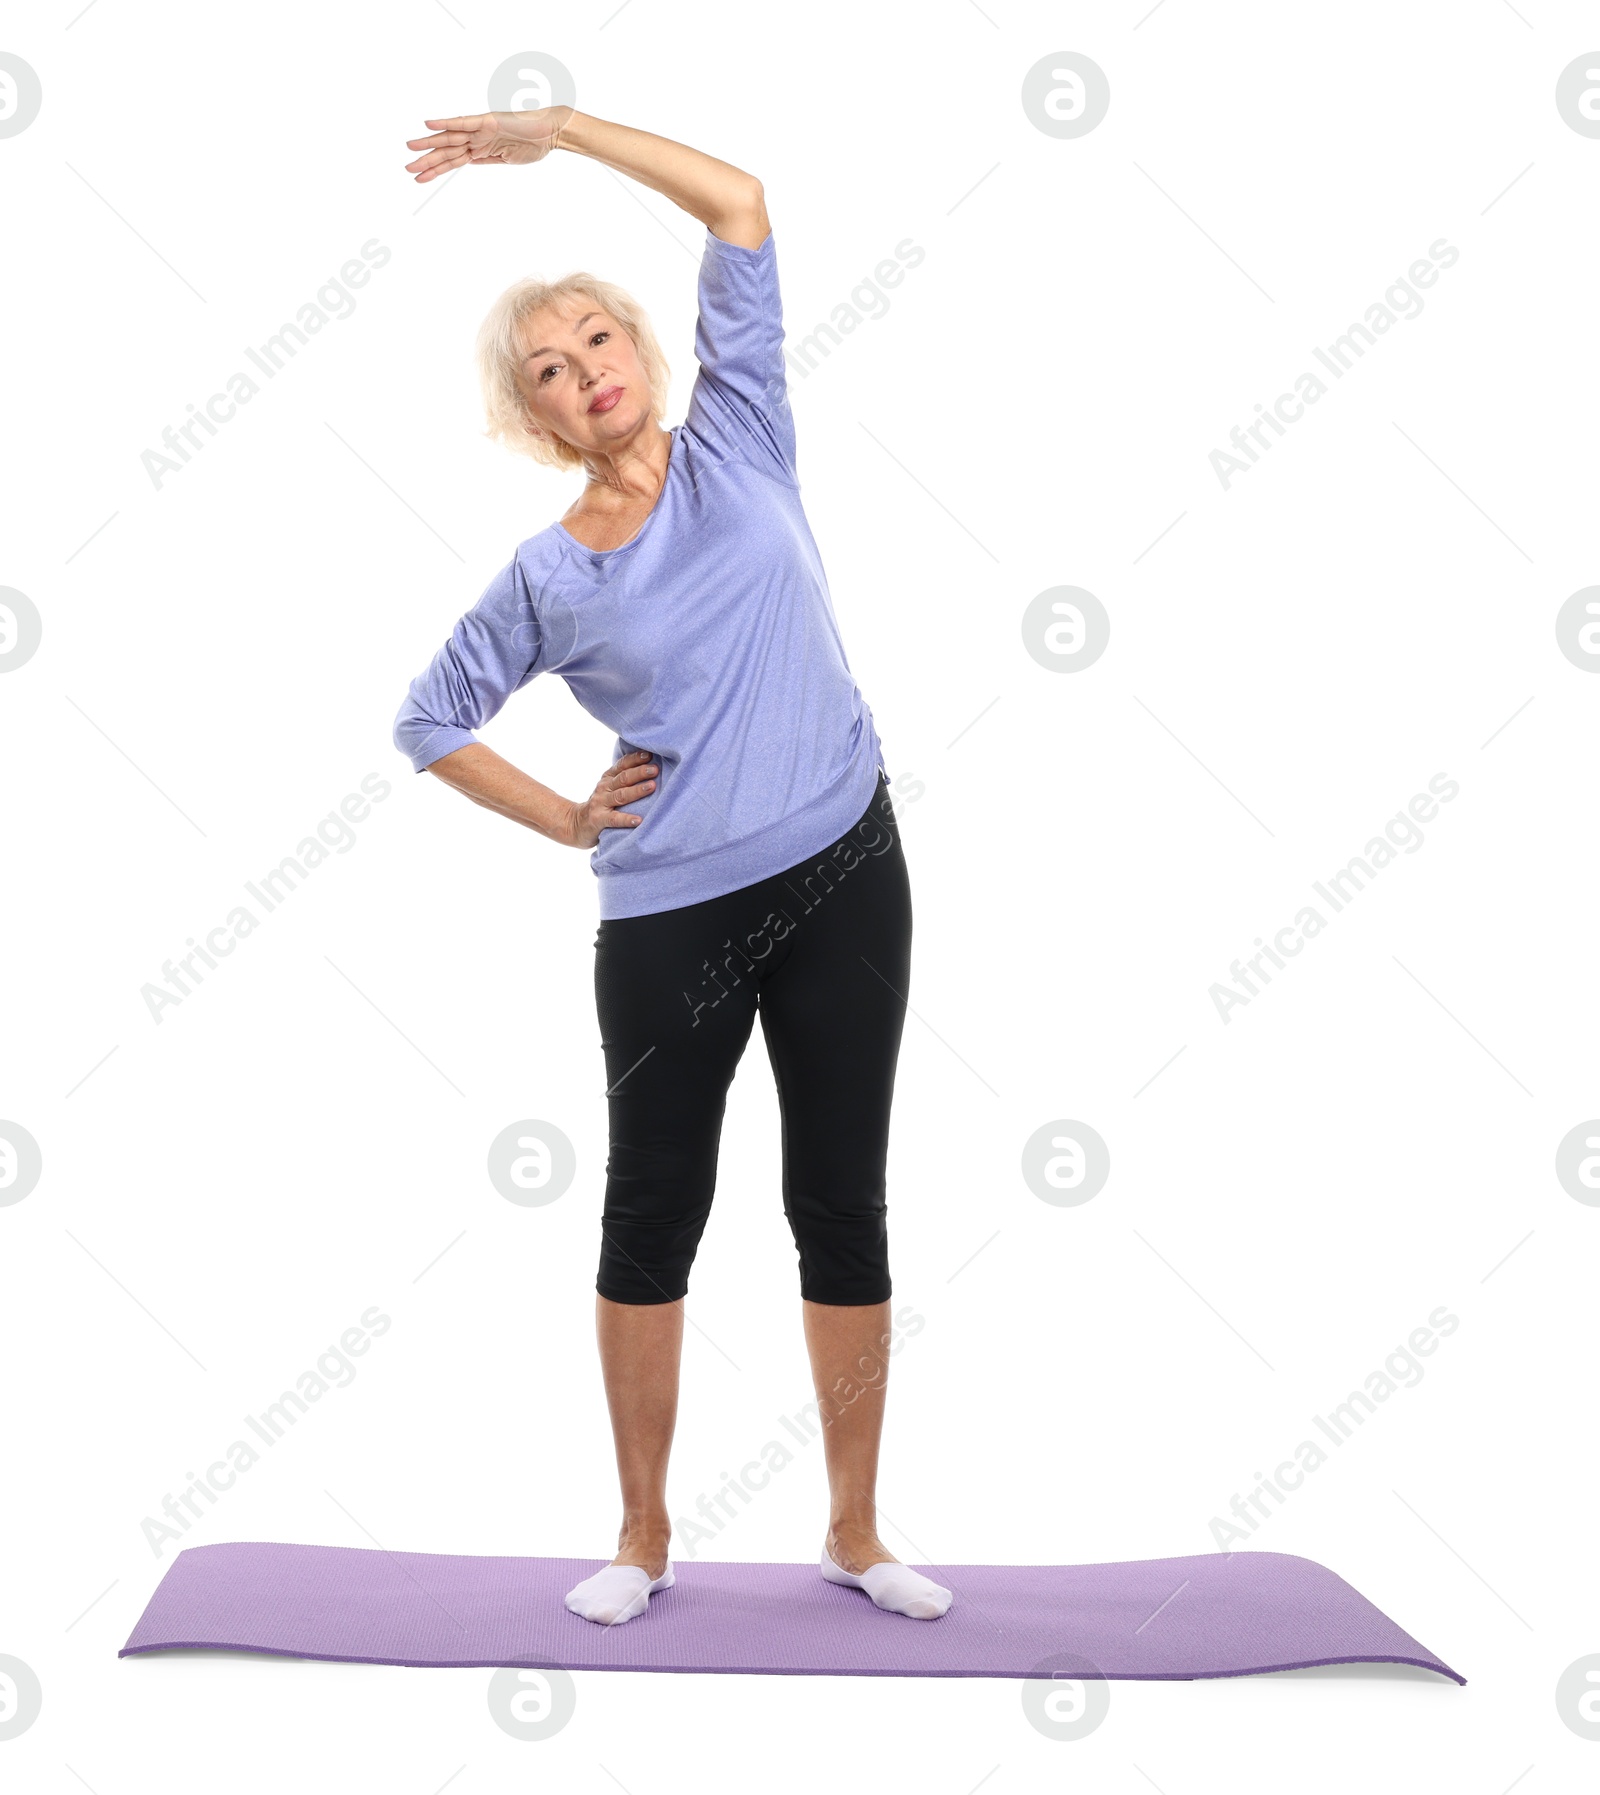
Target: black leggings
pixel 823 952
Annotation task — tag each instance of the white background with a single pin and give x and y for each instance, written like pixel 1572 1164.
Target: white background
pixel 1290 1196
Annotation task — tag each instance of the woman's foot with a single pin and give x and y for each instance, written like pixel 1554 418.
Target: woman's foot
pixel 858 1558
pixel 621 1590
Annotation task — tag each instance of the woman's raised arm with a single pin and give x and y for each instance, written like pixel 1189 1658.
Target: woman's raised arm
pixel 726 200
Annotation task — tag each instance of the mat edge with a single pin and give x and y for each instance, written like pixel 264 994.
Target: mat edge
pixel 744 1670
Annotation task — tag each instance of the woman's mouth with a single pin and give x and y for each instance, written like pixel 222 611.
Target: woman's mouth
pixel 605 398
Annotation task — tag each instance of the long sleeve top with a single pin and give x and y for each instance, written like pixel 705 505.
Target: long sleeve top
pixel 708 640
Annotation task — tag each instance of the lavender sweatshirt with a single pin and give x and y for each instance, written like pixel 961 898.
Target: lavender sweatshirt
pixel 709 639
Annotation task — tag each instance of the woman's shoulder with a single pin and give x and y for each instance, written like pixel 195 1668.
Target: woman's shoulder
pixel 539 559
pixel 542 549
pixel 521 583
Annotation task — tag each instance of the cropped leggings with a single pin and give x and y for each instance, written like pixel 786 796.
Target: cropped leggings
pixel 822 953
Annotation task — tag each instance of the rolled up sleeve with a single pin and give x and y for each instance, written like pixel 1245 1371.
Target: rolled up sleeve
pixel 493 651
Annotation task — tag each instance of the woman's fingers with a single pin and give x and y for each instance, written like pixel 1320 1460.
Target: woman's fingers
pixel 453 141
pixel 440 140
pixel 627 789
pixel 629 778
pixel 627 765
pixel 449 147
pixel 436 163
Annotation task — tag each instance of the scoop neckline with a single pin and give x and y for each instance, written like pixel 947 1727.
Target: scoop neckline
pixel 602 554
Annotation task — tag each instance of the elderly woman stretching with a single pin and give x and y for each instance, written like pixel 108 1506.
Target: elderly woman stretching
pixel 747 852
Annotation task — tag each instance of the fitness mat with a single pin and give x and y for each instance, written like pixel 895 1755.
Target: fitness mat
pixel 1218 1615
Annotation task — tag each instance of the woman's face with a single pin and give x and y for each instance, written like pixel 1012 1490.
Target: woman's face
pixel 581 379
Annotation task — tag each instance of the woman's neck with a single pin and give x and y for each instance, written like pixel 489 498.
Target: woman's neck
pixel 634 471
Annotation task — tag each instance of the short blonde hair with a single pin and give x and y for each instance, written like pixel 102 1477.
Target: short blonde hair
pixel 500 355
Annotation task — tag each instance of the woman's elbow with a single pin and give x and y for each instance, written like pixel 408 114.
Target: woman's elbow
pixel 744 218
pixel 412 729
pixel 402 732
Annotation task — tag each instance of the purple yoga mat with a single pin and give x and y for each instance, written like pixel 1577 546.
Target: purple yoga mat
pixel 1219 1615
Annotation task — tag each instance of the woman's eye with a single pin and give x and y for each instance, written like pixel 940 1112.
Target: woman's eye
pixel 598 337
pixel 546 371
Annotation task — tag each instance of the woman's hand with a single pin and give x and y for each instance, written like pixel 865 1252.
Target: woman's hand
pixel 509 137
pixel 632 777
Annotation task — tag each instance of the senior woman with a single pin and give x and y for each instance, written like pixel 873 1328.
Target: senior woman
pixel 747 853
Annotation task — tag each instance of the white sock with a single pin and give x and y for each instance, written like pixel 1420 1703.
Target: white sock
pixel 617 1593
pixel 894 1586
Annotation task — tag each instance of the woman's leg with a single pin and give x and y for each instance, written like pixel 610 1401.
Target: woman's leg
pixel 833 1013
pixel 849 1348
pixel 641 1345
pixel 672 1041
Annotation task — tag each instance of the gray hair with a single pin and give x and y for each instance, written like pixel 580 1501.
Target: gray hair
pixel 500 355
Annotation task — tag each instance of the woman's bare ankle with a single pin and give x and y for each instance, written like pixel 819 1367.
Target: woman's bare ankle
pixel 645 1543
pixel 853 1546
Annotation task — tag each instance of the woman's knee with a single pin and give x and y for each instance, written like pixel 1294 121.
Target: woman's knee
pixel 648 1262
pixel 844 1258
